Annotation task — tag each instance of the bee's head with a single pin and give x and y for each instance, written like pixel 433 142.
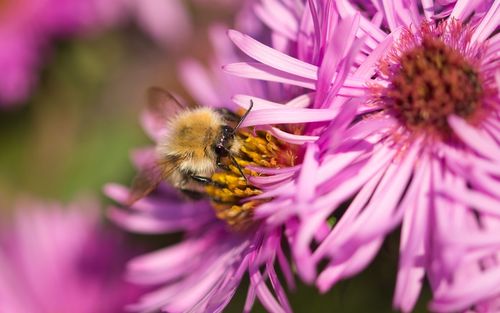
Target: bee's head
pixel 223 144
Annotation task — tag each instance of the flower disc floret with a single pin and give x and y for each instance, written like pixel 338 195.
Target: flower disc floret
pixel 431 78
pixel 230 191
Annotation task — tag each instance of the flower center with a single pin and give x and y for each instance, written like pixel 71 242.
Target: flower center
pixel 431 81
pixel 229 194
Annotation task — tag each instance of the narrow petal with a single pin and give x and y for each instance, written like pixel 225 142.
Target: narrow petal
pixel 475 139
pixel 286 25
pixel 488 23
pixel 199 83
pixel 265 72
pixel 287 115
pixel 272 57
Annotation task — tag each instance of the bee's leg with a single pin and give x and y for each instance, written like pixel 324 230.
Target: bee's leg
pixel 207 181
pixel 228 115
pixel 222 165
pixel 220 201
pixel 193 194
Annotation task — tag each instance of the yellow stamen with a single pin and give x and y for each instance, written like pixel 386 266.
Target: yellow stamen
pixel 260 149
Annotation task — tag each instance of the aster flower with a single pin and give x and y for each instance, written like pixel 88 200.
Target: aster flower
pixel 61 259
pixel 221 243
pixel 422 150
pixel 202 273
pixel 225 238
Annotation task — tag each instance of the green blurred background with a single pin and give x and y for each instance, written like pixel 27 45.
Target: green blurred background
pixel 75 133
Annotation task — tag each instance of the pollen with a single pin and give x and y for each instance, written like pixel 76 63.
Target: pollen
pixel 229 195
pixel 432 78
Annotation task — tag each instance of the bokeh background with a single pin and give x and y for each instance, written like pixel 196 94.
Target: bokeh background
pixel 74 132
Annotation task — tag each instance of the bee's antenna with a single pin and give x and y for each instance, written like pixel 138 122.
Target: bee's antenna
pixel 239 168
pixel 244 117
pixel 234 131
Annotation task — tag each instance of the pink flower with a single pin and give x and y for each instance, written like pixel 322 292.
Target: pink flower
pixel 56 259
pixel 203 271
pixel 422 149
pixel 430 122
pixel 222 242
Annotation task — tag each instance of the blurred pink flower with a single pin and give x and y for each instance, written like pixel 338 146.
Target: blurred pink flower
pixel 422 149
pixel 27 29
pixel 19 45
pixel 56 259
pixel 165 21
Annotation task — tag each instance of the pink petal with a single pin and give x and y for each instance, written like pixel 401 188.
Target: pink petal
pixel 369 66
pixel 166 264
pixel 265 296
pixel 142 223
pixel 466 294
pixel 352 87
pixel 349 216
pixel 258 103
pixel 199 83
pixel 292 138
pixel 285 25
pixel 474 138
pixel 348 187
pixel 306 179
pixel 480 201
pixel 288 115
pixel 272 57
pixel 410 274
pixel 390 16
pixel 166 21
pixel 263 181
pixel 488 23
pixel 265 72
pixel 337 271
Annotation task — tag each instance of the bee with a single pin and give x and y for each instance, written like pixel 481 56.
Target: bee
pixel 197 140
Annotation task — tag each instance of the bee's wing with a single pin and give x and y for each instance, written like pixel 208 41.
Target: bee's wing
pixel 163 105
pixel 148 179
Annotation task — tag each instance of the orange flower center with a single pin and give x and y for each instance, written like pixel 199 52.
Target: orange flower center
pixel 434 72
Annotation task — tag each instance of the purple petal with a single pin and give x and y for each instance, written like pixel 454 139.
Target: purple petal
pixel 199 83
pixel 488 23
pixel 410 275
pixel 288 115
pixel 480 201
pixel 264 72
pixel 479 141
pixel 292 138
pixel 285 25
pixel 272 57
